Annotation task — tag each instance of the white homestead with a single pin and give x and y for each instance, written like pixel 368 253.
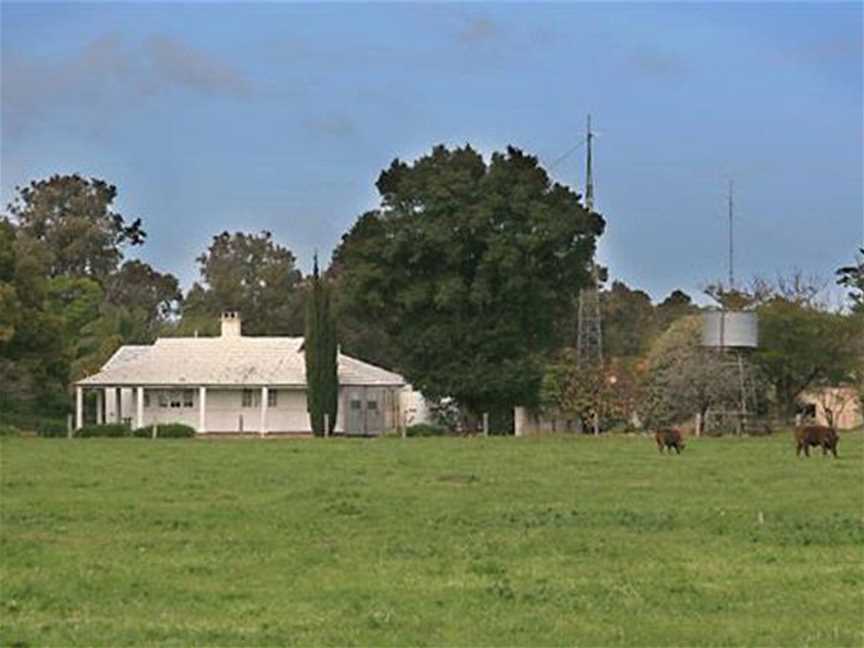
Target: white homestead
pixel 234 384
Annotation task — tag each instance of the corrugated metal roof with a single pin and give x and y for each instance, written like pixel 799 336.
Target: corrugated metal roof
pixel 228 360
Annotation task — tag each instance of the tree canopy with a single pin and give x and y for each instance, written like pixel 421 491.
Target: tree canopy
pixel 76 219
pixel 802 346
pixel 629 321
pixel 252 274
pixel 467 265
pixel 65 302
pixel 33 363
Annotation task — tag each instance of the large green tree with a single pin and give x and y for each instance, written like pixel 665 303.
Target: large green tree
pixel 137 285
pixel 628 320
pixel 801 346
pixel 33 363
pixel 466 266
pixel 249 273
pixel 321 356
pixel 65 303
pixel 76 220
pixel 9 305
pixel 359 337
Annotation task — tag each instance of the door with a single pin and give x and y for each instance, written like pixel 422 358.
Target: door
pixel 354 413
pixel 374 404
pixel 364 411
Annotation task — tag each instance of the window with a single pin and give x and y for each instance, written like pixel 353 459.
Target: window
pixel 163 398
pixel 146 399
pixel 251 398
pixel 188 397
pixel 356 404
pixel 372 406
pixel 176 399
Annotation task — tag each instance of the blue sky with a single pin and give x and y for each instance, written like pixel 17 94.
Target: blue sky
pixel 280 116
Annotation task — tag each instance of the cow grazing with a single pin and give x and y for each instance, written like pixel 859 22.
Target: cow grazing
pixel 815 435
pixel 669 438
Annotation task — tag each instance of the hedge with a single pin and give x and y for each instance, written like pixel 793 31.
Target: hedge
pixel 111 430
pixel 119 430
pixel 425 430
pixel 165 431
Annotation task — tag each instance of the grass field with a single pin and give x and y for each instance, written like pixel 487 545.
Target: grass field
pixel 500 541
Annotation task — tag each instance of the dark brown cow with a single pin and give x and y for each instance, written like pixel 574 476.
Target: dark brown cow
pixel 815 435
pixel 669 438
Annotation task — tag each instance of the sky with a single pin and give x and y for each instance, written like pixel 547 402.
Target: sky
pixel 279 117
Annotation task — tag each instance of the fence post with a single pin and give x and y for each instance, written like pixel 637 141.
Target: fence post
pixel 69 427
pixel 154 431
pixel 698 424
pixel 326 425
pixel 518 421
pixel 596 423
pixel 486 424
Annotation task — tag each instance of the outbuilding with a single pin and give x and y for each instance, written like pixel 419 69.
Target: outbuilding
pixel 233 384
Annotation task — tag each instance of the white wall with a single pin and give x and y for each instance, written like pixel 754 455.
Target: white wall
pixel 225 409
pixel 413 406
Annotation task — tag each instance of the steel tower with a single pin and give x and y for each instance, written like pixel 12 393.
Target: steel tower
pixel 589 331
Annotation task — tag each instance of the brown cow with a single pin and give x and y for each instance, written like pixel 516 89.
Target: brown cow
pixel 669 438
pixel 815 435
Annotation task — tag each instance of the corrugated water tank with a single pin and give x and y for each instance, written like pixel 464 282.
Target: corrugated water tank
pixel 730 329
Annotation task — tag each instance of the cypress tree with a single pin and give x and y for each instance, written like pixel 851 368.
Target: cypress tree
pixel 322 380
pixel 330 364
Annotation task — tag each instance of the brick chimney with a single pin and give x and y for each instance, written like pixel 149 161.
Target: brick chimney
pixel 231 324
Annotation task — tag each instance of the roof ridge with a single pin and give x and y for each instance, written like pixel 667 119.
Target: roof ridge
pixel 260 360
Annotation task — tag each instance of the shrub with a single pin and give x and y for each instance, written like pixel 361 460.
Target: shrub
pixel 426 430
pixel 43 426
pixel 112 430
pixel 51 429
pixel 166 431
pixel 8 430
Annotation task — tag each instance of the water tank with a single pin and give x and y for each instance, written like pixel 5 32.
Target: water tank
pixel 730 329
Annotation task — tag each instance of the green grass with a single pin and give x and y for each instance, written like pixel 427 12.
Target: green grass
pixel 500 541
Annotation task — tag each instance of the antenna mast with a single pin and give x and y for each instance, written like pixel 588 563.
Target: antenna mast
pixel 731 248
pixel 589 333
pixel 589 176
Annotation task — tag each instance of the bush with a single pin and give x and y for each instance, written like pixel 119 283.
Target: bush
pixel 425 430
pixel 9 430
pixel 112 430
pixel 51 429
pixel 43 426
pixel 166 431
